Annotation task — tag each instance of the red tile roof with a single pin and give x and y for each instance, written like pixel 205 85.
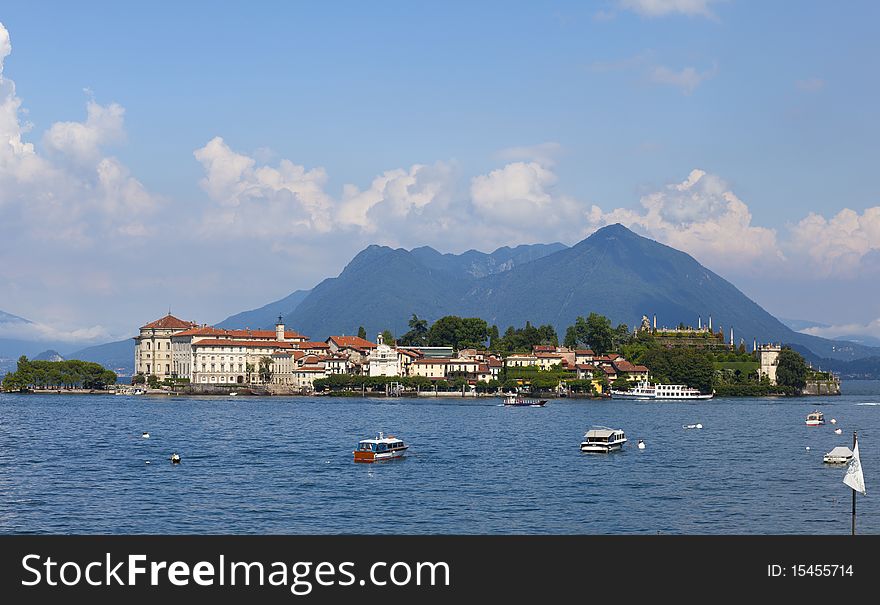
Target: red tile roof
pixel 544 348
pixel 218 342
pixel 622 365
pixel 169 322
pixel 585 367
pixel 584 352
pixel 313 345
pixel 353 342
pixel 211 331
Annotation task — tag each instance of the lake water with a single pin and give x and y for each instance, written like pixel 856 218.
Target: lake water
pixel 77 464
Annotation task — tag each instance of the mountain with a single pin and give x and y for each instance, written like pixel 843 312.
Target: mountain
pixel 267 315
pixel 382 287
pixel 614 272
pixel 20 336
pixel 117 356
pixel 49 355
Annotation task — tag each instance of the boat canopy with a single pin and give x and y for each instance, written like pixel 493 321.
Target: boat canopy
pixel 840 452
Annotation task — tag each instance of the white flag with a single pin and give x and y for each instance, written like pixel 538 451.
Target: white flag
pixel 854 477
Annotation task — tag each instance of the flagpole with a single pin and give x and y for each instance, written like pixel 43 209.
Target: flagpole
pixel 854 494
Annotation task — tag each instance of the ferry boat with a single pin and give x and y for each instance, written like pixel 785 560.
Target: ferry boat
pixel 648 391
pixel 601 439
pixel 380 448
pixel 520 400
pixel 816 418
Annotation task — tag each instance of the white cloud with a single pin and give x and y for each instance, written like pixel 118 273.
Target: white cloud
pixel 41 332
pixel 703 217
pixel 837 246
pixel 660 8
pixel 76 195
pixel 852 330
pixel 686 79
pixel 274 200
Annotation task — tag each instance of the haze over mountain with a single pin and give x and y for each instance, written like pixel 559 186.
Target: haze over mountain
pixel 614 272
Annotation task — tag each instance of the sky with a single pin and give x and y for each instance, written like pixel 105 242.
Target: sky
pixel 211 157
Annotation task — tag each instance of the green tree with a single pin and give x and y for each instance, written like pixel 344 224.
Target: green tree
pixel 388 337
pixel 599 334
pixel 791 369
pixel 458 332
pixel 138 378
pixel 153 381
pixel 690 367
pixel 621 383
pixel 418 333
pixel 266 369
pixel 362 333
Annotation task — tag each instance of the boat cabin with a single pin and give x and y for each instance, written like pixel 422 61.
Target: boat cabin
pixel 380 448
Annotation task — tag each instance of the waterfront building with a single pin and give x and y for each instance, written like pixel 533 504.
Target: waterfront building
pixel 630 371
pixel 582 356
pixel 356 349
pixel 383 360
pixel 769 354
pixel 152 347
pixel 520 361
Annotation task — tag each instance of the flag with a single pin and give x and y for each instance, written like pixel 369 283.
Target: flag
pixel 854 477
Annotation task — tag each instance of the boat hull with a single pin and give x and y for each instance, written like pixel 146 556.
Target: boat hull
pixel 815 422
pixel 592 448
pixel 360 456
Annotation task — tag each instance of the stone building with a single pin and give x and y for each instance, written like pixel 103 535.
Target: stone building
pixel 152 347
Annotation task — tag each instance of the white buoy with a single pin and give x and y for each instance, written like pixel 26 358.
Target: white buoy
pixel 837 431
pixel 146 461
pixel 146 435
pixel 808 448
pixel 175 458
pixel 699 426
pixel 834 421
pixel 641 444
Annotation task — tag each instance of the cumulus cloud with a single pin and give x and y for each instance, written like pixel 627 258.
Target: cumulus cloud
pixel 849 331
pixel 282 200
pixel 703 217
pixel 660 8
pixel 42 332
pixel 686 79
pixel 840 245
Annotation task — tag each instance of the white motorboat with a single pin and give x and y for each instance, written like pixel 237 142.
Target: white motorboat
pixel 839 455
pixel 816 418
pixel 601 439
pixel 380 448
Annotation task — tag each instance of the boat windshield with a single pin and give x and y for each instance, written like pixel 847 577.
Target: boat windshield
pixel 366 447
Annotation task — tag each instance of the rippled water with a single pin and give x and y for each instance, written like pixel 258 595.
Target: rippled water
pixel 76 464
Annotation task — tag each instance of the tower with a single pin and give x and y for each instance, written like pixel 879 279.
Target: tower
pixel 699 322
pixel 731 337
pixel 279 329
pixel 380 340
pixel 710 323
pixel 655 321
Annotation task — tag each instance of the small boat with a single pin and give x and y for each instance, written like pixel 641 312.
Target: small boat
pixel 233 393
pixel 838 431
pixel 175 458
pixel 380 448
pixel 138 392
pixel 839 455
pixel 601 439
pixel 146 435
pixel 816 418
pixel 692 426
pixel 520 400
pixel 641 444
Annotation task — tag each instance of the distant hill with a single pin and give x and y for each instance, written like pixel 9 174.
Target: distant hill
pixel 267 315
pixel 117 356
pixel 613 272
pixel 49 355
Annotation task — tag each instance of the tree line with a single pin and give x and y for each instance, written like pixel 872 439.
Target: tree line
pixel 68 374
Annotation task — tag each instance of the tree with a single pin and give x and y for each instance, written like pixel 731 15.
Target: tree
pixel 621 383
pixel 458 332
pixel 266 369
pixel 681 366
pixel 576 335
pixel 599 334
pixel 418 333
pixel 791 369
pixel 362 333
pixel 138 378
pixel 388 337
pixel 153 381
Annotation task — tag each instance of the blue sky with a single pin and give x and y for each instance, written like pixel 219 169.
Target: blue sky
pixel 345 124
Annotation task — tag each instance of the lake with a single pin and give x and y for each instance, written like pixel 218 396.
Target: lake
pixel 258 465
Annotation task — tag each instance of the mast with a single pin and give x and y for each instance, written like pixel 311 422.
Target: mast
pixel 855 438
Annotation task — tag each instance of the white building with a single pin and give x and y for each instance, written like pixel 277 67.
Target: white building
pixel 383 360
pixel 152 347
pixel 769 360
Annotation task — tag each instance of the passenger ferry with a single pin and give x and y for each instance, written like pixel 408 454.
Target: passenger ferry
pixel 648 391
pixel 603 440
pixel 816 418
pixel 380 448
pixel 520 400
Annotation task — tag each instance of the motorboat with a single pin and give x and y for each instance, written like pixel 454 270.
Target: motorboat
pixel 839 455
pixel 520 400
pixel 601 439
pixel 816 418
pixel 379 449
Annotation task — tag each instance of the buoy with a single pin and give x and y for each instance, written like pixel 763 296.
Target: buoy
pixel 699 426
pixel 175 458
pixel 641 444
pixel 834 421
pixel 808 448
pixel 146 461
pixel 146 435
pixel 837 431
